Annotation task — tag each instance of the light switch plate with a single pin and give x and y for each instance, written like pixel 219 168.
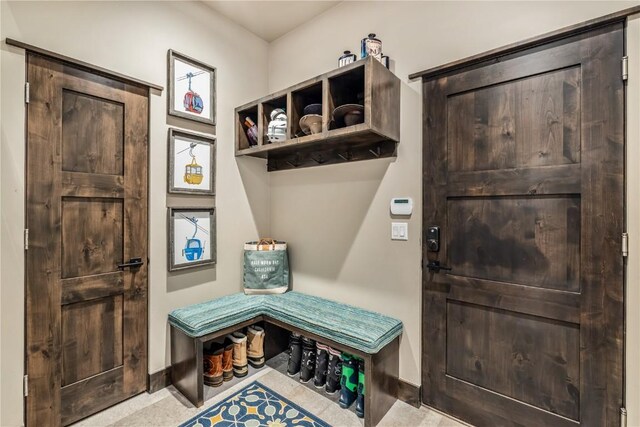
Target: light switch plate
pixel 399 231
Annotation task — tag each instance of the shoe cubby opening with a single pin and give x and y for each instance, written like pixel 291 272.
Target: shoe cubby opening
pixel 302 98
pixel 244 140
pixel 346 89
pixel 267 109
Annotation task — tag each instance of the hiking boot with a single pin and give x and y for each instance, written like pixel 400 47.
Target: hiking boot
pixel 322 363
pixel 213 365
pixel 334 371
pixel 360 399
pixel 308 366
pixel 255 350
pixel 295 354
pixel 227 360
pixel 239 340
pixel 348 381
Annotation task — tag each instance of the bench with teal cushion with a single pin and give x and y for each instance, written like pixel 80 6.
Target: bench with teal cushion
pixel 367 334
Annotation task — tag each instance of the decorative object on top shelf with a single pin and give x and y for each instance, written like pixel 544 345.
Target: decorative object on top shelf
pixel 192 237
pixel 312 109
pixel 277 128
pixel 191 163
pixel 192 89
pixel 252 131
pixel 311 124
pixel 371 46
pixel 346 58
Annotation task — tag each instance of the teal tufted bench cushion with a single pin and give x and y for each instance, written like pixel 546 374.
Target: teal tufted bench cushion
pixel 351 326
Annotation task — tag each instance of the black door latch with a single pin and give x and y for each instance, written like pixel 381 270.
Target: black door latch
pixel 436 267
pixel 133 263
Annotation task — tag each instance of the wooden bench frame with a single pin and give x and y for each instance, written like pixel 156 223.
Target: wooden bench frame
pixel 381 368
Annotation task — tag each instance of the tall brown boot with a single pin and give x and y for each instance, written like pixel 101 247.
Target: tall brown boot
pixel 227 360
pixel 213 365
pixel 239 340
pixel 255 350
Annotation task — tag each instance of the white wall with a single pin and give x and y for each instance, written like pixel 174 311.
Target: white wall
pixel 132 38
pixel 336 217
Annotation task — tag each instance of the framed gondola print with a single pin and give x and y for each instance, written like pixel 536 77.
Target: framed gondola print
pixel 191 165
pixel 192 89
pixel 192 237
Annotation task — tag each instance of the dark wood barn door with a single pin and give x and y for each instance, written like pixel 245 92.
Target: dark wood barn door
pixel 86 317
pixel 524 173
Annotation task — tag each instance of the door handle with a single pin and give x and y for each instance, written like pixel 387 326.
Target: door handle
pixel 436 267
pixel 134 263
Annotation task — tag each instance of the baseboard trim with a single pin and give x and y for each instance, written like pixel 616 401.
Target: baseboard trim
pixel 159 380
pixel 409 393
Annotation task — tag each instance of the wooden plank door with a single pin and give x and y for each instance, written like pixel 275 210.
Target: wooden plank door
pixel 86 318
pixel 523 173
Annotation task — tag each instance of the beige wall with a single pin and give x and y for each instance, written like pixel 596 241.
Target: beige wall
pixel 132 38
pixel 336 218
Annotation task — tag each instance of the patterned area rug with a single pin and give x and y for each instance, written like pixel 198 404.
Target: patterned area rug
pixel 255 406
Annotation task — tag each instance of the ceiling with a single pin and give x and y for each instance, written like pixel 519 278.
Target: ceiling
pixel 270 19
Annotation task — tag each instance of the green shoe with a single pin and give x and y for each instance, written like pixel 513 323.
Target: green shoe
pixel 349 380
pixel 360 399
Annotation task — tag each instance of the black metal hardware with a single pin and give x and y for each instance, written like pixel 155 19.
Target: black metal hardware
pixel 133 264
pixel 436 267
pixel 433 239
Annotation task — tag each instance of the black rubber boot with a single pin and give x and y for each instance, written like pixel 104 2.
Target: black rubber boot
pixel 322 362
pixel 295 354
pixel 348 381
pixel 308 367
pixel 334 372
pixel 360 399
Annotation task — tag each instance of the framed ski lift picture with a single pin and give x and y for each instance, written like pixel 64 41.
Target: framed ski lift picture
pixel 192 237
pixel 192 89
pixel 191 165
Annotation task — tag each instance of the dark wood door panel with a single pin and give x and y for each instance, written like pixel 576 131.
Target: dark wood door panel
pixel 87 213
pixel 531 359
pixel 530 122
pixel 523 172
pixel 532 241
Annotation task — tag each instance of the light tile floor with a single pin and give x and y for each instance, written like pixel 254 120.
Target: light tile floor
pixel 168 407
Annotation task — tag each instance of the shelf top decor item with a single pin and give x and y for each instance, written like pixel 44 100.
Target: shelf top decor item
pixel 192 237
pixel 192 89
pixel 192 163
pixel 348 114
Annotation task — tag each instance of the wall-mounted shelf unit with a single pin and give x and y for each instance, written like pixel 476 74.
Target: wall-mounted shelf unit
pixel 366 82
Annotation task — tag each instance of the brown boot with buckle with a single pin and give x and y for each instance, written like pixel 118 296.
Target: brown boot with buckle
pixel 213 365
pixel 227 360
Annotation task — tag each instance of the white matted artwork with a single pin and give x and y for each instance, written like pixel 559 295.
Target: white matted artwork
pixel 192 237
pixel 192 93
pixel 192 159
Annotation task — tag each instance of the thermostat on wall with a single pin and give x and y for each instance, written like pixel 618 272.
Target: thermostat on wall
pixel 401 206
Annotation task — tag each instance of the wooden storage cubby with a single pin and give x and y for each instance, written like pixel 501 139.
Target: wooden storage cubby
pixel 242 140
pixel 366 82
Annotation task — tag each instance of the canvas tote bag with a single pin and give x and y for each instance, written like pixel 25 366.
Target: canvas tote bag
pixel 266 267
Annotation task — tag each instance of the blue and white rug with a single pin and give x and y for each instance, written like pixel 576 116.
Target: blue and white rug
pixel 255 406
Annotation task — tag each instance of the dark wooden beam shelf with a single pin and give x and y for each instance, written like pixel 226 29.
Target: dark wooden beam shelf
pixel 366 82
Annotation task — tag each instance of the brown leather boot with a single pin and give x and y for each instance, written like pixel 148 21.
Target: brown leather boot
pixel 239 340
pixel 227 360
pixel 213 365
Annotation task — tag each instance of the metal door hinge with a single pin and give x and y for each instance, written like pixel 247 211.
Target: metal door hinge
pixel 625 244
pixel 623 417
pixel 26 93
pixel 25 385
pixel 26 239
pixel 625 68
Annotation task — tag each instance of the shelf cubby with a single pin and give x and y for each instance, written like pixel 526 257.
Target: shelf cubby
pixel 366 82
pixel 250 111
